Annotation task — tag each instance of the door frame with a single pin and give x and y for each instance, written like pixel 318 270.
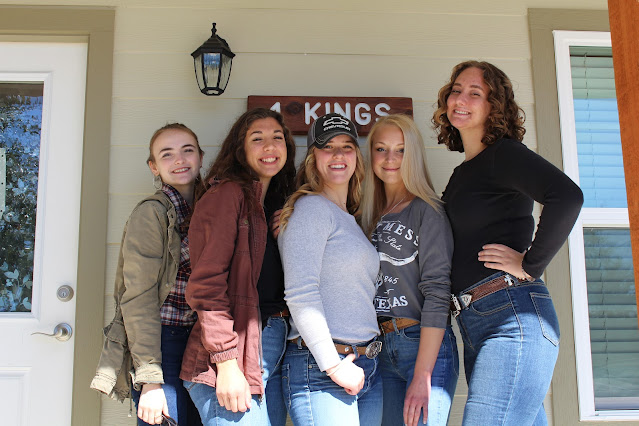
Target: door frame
pixel 97 25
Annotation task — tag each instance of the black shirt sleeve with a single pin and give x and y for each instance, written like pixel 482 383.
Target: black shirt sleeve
pixel 529 173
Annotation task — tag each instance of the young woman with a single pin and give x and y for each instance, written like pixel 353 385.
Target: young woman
pixel 232 358
pixel 152 319
pixel 407 224
pixel 504 311
pixel 330 365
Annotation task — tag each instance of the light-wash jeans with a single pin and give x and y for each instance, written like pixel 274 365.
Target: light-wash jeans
pixel 511 342
pixel 314 399
pixel 397 367
pixel 267 410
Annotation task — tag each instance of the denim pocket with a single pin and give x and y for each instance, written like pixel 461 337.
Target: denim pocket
pixel 547 316
pixel 491 304
pixel 411 333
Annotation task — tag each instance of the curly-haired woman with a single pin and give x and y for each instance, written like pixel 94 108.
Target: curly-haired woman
pixel 504 311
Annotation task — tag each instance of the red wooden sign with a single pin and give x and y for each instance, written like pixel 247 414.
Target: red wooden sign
pixel 300 111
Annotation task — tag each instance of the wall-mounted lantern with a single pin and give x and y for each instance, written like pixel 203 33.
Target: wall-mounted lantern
pixel 213 65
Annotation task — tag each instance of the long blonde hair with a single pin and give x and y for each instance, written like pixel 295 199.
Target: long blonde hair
pixel 414 171
pixel 309 181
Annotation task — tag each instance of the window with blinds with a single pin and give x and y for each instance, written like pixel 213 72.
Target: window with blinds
pixel 601 175
pixel 612 307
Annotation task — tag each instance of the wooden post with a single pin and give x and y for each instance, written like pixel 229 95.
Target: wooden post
pixel 624 31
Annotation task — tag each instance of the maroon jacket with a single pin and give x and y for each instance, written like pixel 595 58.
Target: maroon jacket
pixel 227 244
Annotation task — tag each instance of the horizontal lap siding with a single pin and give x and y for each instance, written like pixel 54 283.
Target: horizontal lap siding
pixel 357 48
pixel 330 48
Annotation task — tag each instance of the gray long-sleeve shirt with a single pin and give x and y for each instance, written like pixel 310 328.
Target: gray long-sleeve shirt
pixel 329 278
pixel 415 248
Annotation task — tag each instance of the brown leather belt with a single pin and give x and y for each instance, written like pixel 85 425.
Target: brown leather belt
pixel 458 303
pixel 401 323
pixel 371 350
pixel 282 314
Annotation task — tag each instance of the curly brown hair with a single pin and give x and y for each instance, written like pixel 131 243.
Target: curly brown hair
pixel 506 118
pixel 231 163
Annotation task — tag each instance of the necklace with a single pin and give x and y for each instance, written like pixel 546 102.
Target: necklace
pixel 393 208
pixel 337 203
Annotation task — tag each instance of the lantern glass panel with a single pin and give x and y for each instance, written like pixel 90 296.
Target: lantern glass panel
pixel 212 70
pixel 198 72
pixel 226 72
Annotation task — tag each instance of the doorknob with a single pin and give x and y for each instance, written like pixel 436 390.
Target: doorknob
pixel 62 332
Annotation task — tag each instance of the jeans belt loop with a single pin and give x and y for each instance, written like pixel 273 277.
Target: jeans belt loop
pixel 299 342
pixel 395 325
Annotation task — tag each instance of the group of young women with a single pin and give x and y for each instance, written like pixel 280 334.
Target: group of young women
pixel 326 294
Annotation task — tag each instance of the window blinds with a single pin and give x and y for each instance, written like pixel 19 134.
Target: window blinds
pixel 601 175
pixel 614 335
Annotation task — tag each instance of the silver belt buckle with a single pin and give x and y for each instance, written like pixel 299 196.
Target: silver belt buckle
pixel 456 304
pixel 373 349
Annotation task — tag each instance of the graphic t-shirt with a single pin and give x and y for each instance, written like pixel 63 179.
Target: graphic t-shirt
pixel 415 249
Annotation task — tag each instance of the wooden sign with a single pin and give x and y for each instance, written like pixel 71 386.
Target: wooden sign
pixel 300 111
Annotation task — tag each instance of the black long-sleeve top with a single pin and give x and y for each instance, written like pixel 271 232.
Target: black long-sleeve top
pixel 270 285
pixel 489 199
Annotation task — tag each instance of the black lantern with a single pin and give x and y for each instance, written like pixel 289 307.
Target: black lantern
pixel 213 65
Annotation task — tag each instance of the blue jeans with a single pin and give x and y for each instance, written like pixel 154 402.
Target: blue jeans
pixel 181 408
pixel 511 342
pixel 267 410
pixel 397 366
pixel 314 399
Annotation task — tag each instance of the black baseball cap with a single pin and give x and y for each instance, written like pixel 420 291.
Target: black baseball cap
pixel 327 127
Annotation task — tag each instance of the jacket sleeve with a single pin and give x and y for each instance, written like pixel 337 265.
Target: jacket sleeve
pixel 435 258
pixel 142 251
pixel 532 175
pixel 212 237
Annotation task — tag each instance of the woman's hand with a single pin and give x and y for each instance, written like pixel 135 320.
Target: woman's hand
pixel 416 400
pixel 232 389
pixel 152 404
pixel 348 375
pixel 503 258
pixel 275 223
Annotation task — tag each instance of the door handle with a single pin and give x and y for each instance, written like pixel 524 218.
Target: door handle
pixel 62 332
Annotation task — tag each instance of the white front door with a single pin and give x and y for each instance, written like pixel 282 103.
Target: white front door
pixel 42 96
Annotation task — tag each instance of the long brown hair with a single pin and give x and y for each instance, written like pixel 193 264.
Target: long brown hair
pixel 231 163
pixel 506 118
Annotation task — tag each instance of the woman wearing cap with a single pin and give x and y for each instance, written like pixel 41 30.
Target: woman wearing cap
pixel 330 365
pixel 407 224
pixel 504 311
pixel 236 285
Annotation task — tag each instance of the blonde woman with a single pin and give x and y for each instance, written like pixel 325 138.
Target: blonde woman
pixel 407 224
pixel 330 364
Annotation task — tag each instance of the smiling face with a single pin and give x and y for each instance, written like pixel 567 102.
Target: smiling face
pixel 467 105
pixel 387 154
pixel 336 161
pixel 177 160
pixel 265 148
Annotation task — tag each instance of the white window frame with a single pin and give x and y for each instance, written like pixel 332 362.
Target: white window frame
pixel 589 218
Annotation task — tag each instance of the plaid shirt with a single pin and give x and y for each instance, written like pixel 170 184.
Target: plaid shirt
pixel 175 310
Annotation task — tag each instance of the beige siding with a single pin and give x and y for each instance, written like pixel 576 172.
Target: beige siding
pixel 297 48
pixel 334 47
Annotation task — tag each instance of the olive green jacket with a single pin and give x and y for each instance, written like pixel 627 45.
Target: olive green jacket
pixel 147 269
